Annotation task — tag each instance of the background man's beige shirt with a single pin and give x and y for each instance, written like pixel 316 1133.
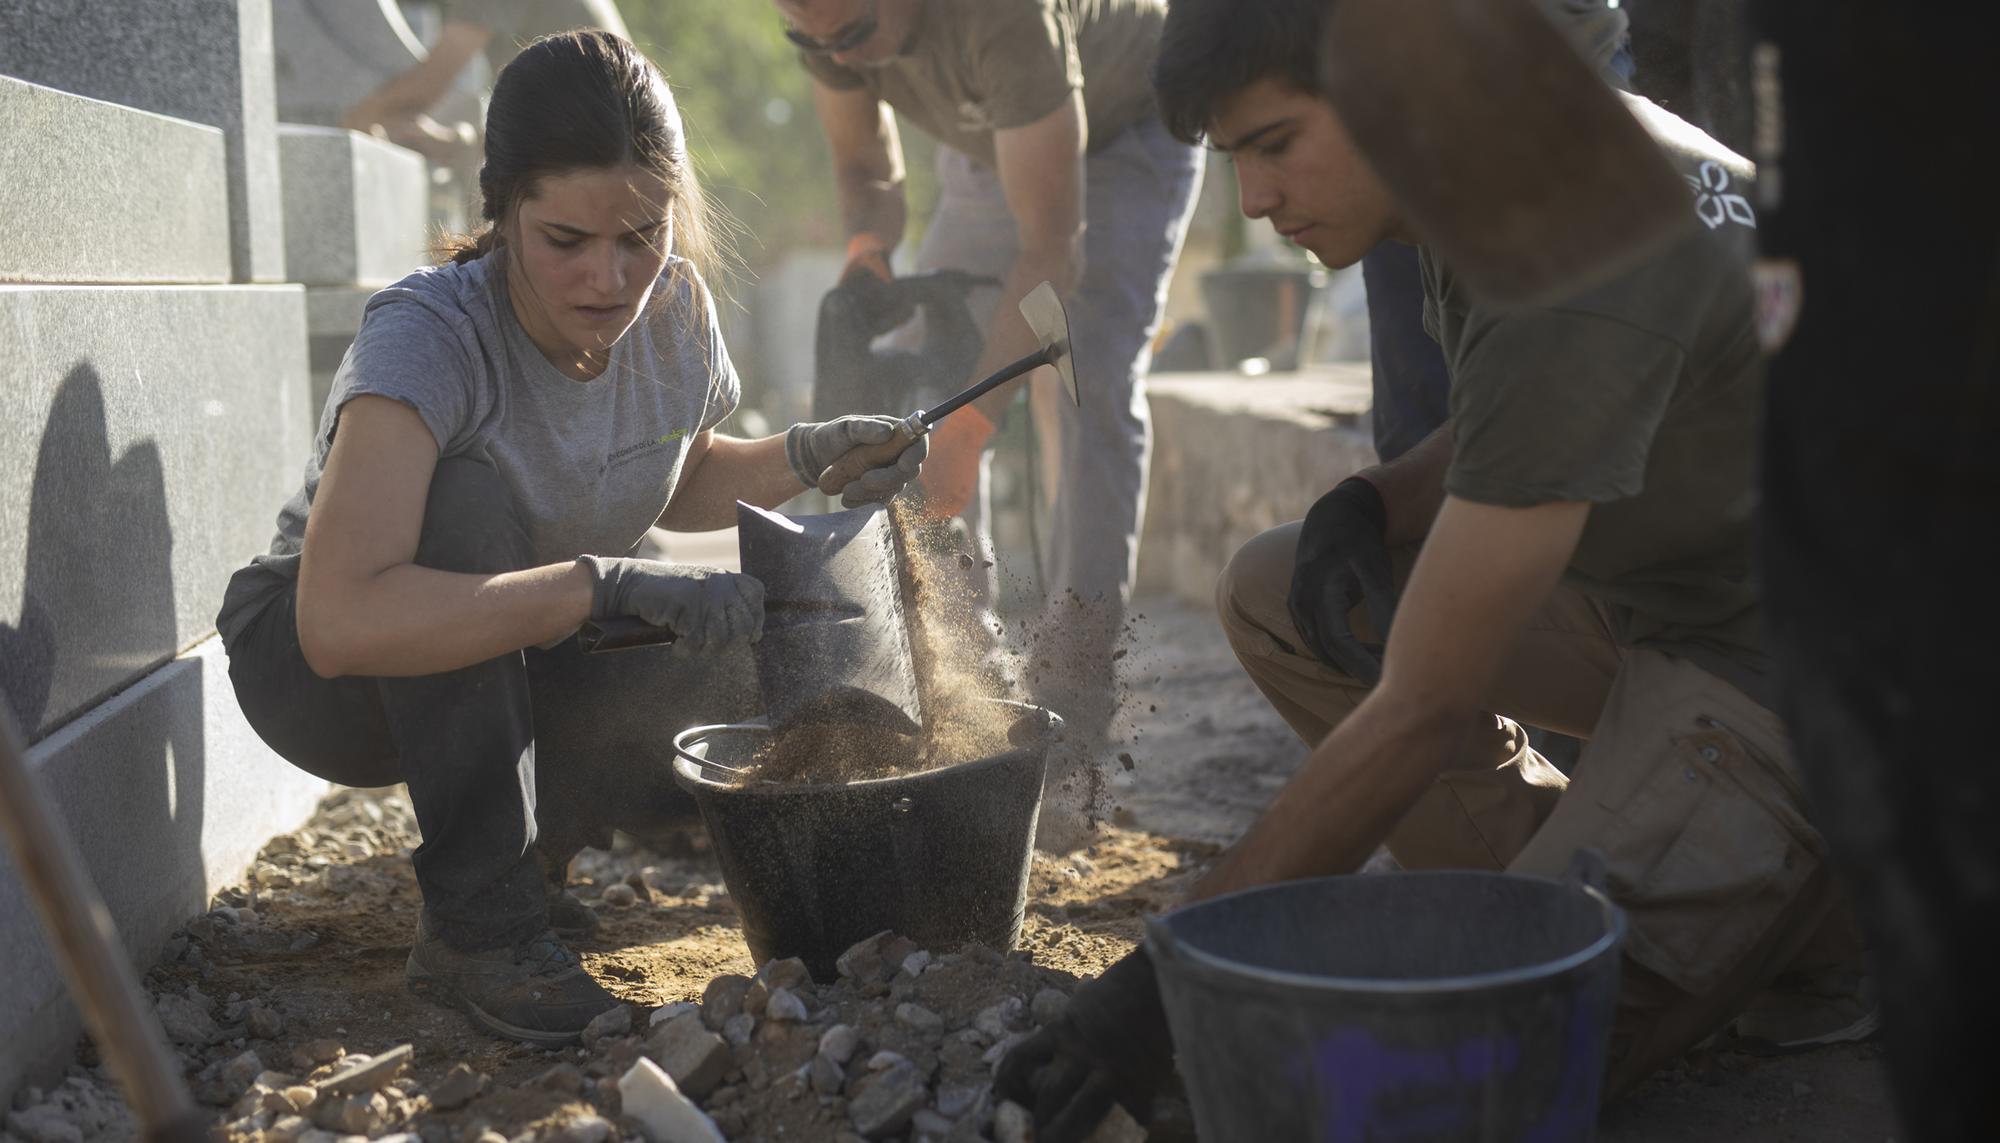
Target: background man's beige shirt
pixel 973 67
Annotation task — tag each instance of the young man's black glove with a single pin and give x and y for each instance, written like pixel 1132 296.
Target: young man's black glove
pixel 1112 1046
pixel 1342 561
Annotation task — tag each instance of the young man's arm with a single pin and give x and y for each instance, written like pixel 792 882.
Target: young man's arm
pixel 1041 173
pixel 867 171
pixel 1483 572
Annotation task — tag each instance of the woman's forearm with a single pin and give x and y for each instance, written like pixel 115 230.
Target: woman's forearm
pixel 754 471
pixel 409 620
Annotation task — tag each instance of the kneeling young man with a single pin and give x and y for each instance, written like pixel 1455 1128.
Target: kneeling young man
pixel 1572 551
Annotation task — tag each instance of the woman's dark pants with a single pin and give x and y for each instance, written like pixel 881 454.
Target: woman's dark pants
pixel 513 764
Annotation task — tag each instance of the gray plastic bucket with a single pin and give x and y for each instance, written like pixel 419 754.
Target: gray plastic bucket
pixel 1436 1006
pixel 940 857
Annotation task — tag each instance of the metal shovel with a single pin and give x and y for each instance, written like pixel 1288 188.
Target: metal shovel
pixel 836 645
pixel 1044 314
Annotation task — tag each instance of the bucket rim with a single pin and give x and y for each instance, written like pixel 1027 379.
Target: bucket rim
pixel 1169 949
pixel 692 771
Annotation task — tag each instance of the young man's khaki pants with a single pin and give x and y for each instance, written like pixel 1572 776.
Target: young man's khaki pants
pixel 1685 784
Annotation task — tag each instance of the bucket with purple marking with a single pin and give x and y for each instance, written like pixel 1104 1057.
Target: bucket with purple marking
pixel 1473 1007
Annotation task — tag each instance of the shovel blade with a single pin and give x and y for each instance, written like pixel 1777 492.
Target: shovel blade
pixel 1044 313
pixel 836 645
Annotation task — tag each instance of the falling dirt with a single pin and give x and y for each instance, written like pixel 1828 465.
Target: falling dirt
pixel 953 653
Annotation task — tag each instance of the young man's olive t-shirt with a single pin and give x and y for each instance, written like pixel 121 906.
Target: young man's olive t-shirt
pixel 1642 397
pixel 973 67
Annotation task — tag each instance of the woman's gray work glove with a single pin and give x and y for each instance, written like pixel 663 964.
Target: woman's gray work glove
pixel 703 606
pixel 1343 561
pixel 813 446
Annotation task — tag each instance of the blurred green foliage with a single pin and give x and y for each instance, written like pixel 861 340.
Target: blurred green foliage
pixel 748 106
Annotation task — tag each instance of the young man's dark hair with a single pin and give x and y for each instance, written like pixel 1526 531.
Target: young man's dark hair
pixel 1211 49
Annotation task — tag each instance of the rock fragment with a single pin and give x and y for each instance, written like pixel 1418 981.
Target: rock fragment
pixel 827 1077
pixel 609 1025
pixel 1118 1126
pixel 44 1123
pixel 739 1029
pixel 663 1113
pixel 368 1073
pixel 928 1124
pixel 187 1019
pixel 363 1113
pixel 722 1000
pixel 666 1012
pixel 863 961
pixel 785 1006
pixel 1048 1006
pixel 1013 1123
pixel 693 1056
pixel 564 1077
pixel 788 974
pixel 264 1022
pixel 998 1020
pixel 918 1018
pixel 242 1071
pixel 884 1102
pixel 839 1042
pixel 583 1129
pixel 460 1086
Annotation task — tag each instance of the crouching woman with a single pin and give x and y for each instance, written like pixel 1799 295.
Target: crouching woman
pixel 501 435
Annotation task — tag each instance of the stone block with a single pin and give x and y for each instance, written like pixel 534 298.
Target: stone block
pixel 89 183
pixel 1233 456
pixel 208 61
pixel 148 436
pixel 355 207
pixel 333 317
pixel 168 794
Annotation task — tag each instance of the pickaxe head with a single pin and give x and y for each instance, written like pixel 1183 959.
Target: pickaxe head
pixel 1043 311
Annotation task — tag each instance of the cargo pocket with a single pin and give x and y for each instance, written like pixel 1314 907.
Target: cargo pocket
pixel 1706 854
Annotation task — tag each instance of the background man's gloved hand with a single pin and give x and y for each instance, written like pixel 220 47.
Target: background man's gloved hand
pixel 813 446
pixel 1112 1046
pixel 952 477
pixel 867 255
pixel 703 606
pixel 1342 561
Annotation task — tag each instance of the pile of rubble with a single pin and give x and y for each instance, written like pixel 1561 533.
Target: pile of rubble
pixel 904 1045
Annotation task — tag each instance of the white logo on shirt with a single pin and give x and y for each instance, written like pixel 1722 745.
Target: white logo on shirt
pixel 1712 204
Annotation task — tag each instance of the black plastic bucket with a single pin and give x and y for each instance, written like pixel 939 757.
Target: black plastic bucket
pixel 940 857
pixel 1438 1006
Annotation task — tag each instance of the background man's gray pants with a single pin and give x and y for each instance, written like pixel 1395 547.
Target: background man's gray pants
pixel 1140 190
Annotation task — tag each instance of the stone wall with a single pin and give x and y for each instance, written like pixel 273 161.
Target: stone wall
pixel 155 411
pixel 1235 455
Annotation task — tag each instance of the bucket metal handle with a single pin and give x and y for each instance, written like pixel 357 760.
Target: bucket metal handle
pixel 1589 870
pixel 1160 943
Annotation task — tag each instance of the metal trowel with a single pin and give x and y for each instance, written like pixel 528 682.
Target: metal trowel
pixel 1044 314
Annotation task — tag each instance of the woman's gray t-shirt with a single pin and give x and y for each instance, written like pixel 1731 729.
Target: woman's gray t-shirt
pixel 591 465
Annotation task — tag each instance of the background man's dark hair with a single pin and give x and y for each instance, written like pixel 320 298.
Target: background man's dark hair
pixel 1212 49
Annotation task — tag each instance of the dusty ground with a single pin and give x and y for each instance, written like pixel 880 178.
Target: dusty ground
pixel 306 958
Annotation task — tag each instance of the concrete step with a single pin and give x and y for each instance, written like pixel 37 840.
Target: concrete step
pixel 168 794
pixel 356 208
pixel 148 436
pixel 1234 456
pixel 95 192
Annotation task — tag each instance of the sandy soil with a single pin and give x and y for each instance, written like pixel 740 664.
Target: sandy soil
pixel 330 912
